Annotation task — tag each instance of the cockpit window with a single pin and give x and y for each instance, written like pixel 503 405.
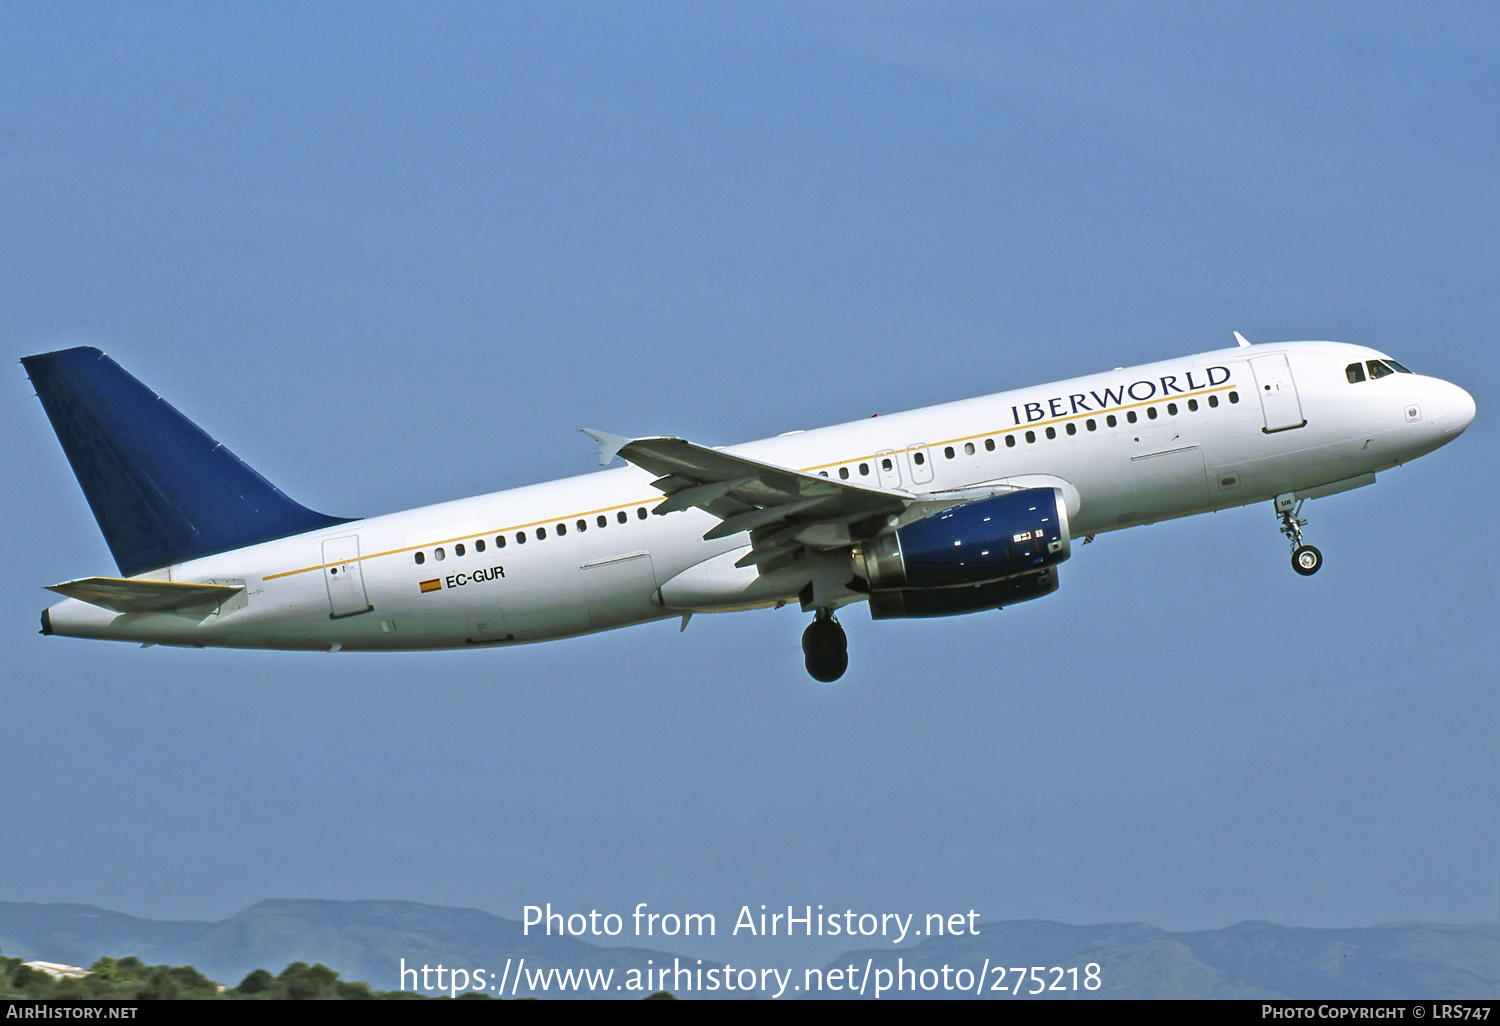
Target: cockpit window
pixel 1378 369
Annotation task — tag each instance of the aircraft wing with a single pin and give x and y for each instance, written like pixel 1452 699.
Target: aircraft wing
pixel 780 507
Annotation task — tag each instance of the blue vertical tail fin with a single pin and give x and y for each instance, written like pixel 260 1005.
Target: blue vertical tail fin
pixel 161 489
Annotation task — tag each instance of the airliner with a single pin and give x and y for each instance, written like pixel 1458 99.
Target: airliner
pixel 952 509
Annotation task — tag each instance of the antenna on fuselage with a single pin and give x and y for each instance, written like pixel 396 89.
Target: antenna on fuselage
pixel 1242 340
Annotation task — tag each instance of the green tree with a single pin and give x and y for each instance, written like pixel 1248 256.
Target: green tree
pixel 302 982
pixel 257 982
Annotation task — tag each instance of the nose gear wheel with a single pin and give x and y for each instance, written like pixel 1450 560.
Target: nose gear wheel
pixel 1306 560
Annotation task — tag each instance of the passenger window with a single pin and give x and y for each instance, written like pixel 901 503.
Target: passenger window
pixel 1192 406
pixel 438 555
pixel 843 473
pixel 1052 432
pixel 621 517
pixel 1171 409
pixel 601 520
pixel 885 463
pixel 1111 420
pixel 1010 441
pixel 1234 397
pixel 583 525
pixel 989 445
pixel 1151 412
pixel 420 557
pixel 1030 436
pixel 822 473
pixel 1092 424
pixel 499 541
pixel 1355 373
pixel 541 534
pixel 1072 428
pixel 458 550
pixel 478 544
pixel 918 458
pixel 562 529
pixel 1131 417
pixel 640 514
pixel 520 537
pixel 1213 402
pixel 968 448
pixel 948 451
pixel 864 470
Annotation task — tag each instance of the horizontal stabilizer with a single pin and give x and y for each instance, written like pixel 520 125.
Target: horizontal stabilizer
pixel 126 596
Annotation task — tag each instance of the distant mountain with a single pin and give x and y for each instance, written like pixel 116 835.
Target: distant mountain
pixel 366 940
pixel 1248 960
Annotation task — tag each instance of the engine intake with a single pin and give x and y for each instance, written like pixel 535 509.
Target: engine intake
pixel 976 543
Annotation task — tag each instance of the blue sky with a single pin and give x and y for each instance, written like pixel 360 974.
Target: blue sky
pixel 393 255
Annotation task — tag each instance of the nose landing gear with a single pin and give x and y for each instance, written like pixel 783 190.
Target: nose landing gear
pixel 1306 559
pixel 825 648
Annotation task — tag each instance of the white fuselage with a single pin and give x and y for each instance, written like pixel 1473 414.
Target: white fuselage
pixel 1126 447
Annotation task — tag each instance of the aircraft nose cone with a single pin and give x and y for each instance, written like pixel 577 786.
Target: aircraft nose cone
pixel 1458 410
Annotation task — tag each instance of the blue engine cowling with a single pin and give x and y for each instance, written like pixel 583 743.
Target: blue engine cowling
pixel 970 598
pixel 976 543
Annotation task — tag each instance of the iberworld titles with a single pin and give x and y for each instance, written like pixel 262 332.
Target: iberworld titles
pixel 1137 391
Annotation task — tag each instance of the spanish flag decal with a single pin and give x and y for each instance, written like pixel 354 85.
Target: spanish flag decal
pixel 433 585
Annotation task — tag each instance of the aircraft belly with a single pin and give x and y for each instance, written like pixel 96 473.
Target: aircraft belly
pixel 1155 478
pixel 545 600
pixel 717 585
pixel 1272 474
pixel 617 590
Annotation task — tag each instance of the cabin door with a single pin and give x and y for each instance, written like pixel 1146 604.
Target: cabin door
pixel 344 577
pixel 1278 393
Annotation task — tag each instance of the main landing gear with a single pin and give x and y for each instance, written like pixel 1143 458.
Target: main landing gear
pixel 1306 559
pixel 825 647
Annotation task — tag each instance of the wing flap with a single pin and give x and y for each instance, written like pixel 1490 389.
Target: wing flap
pixel 129 596
pixel 748 495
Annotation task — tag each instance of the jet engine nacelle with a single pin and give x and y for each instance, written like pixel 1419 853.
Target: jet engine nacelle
pixel 976 543
pixel 970 598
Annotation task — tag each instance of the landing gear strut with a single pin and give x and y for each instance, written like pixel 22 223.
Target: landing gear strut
pixel 825 647
pixel 1306 559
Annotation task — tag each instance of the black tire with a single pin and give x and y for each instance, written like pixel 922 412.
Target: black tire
pixel 825 648
pixel 1307 560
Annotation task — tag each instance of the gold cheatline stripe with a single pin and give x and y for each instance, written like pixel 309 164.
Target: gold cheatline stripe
pixel 464 537
pixel 804 470
pixel 1034 424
